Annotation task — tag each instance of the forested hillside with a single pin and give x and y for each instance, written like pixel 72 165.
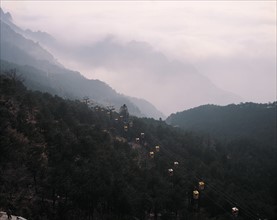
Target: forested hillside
pixel 245 120
pixel 62 159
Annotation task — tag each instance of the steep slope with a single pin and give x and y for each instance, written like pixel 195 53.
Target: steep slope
pixel 37 36
pixel 16 48
pixel 246 120
pixel 138 65
pixel 70 85
pixel 61 159
pixel 146 106
pixel 47 74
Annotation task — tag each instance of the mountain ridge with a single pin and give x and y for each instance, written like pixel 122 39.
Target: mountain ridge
pixel 142 67
pixel 16 48
pixel 136 64
pixel 244 120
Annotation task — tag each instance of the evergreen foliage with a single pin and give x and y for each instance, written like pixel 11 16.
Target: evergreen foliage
pixel 245 120
pixel 64 159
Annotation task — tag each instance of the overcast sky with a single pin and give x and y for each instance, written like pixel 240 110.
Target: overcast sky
pixel 233 43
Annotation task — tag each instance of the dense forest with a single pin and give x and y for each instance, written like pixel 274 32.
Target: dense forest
pixel 65 159
pixel 245 120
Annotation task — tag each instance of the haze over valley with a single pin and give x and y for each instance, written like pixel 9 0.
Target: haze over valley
pixel 138 110
pixel 165 61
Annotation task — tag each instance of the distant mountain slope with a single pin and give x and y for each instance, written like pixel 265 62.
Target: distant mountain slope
pixel 152 70
pixel 70 85
pixel 17 49
pixel 147 69
pixel 37 36
pixel 146 106
pixel 247 120
pixel 42 71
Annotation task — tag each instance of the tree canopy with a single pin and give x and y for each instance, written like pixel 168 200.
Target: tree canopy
pixel 64 159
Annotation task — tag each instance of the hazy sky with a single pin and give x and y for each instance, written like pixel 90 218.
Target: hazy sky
pixel 231 42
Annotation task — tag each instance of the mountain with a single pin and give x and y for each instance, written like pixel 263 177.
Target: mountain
pixel 40 36
pixel 6 17
pixel 37 36
pixel 138 65
pixel 63 159
pixel 47 74
pixel 245 120
pixel 70 85
pixel 135 68
pixel 16 48
pixel 146 106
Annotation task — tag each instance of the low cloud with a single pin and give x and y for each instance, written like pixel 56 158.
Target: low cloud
pixel 231 43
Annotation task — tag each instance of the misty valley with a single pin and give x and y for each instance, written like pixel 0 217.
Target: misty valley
pixel 74 148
